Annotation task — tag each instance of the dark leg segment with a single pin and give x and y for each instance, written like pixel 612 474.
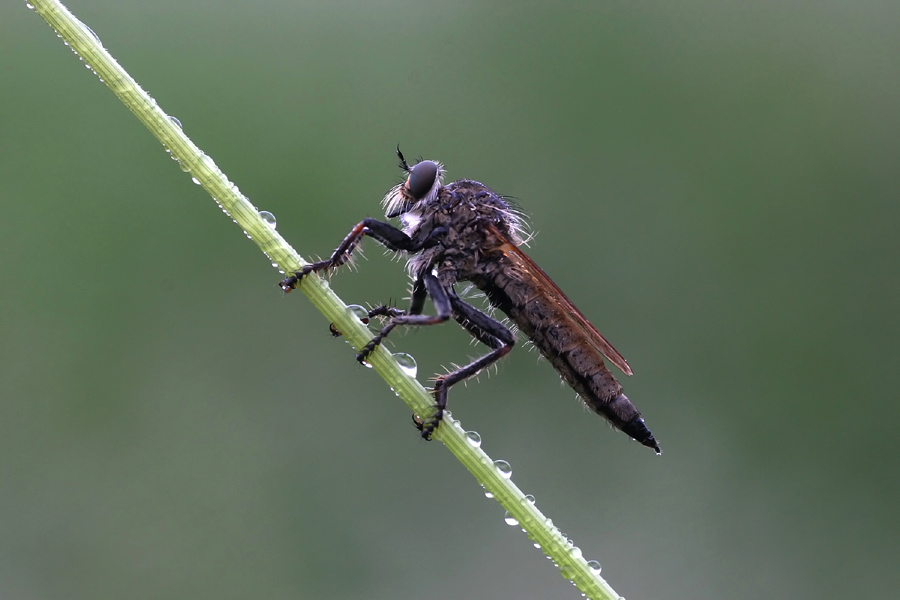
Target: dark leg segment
pixel 379 311
pixel 419 294
pixel 427 283
pixel 391 237
pixel 486 330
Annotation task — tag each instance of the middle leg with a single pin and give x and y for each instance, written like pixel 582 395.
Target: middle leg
pixel 427 284
pixel 486 330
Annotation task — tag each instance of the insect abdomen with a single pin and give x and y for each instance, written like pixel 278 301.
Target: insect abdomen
pixel 563 343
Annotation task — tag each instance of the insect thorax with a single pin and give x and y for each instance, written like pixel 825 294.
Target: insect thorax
pixel 464 215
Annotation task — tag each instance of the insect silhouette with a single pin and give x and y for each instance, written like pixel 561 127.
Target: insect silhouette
pixel 464 231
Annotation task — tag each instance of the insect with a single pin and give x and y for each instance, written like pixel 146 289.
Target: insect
pixel 464 231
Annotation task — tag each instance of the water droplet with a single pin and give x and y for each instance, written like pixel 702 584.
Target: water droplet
pixel 576 552
pixel 504 468
pixel 209 162
pixel 175 121
pixel 474 439
pixel 529 499
pixel 275 265
pixel 93 35
pixel 567 571
pixel 407 363
pixel 488 494
pixel 594 566
pixel 448 418
pixel 196 181
pixel 536 545
pixel 268 217
pixel 29 6
pixel 510 520
pixel 359 312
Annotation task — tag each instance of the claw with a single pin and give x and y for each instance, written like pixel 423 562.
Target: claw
pixel 287 284
pixel 291 282
pixel 426 427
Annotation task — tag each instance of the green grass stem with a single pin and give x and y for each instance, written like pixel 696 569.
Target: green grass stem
pixel 203 169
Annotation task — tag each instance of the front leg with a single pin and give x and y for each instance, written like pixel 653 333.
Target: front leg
pixel 391 237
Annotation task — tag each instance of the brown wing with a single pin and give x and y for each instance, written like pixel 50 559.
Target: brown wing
pixel 522 261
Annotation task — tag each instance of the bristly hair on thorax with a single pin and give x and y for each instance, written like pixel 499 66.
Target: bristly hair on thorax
pixel 424 205
pixel 412 205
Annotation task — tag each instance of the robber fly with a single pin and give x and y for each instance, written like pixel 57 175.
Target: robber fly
pixel 464 231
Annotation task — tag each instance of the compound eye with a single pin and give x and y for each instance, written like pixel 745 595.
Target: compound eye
pixel 421 178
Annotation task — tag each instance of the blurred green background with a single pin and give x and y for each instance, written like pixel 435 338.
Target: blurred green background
pixel 714 184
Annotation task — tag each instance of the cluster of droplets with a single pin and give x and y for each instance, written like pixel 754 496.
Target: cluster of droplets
pixel 89 31
pixel 222 208
pixel 271 260
pixel 267 217
pixel 117 86
pixel 181 165
pixel 556 548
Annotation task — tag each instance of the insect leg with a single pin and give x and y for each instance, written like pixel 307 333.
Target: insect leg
pixel 391 237
pixel 486 330
pixel 430 285
pixel 418 303
pixel 379 311
pixel 419 293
